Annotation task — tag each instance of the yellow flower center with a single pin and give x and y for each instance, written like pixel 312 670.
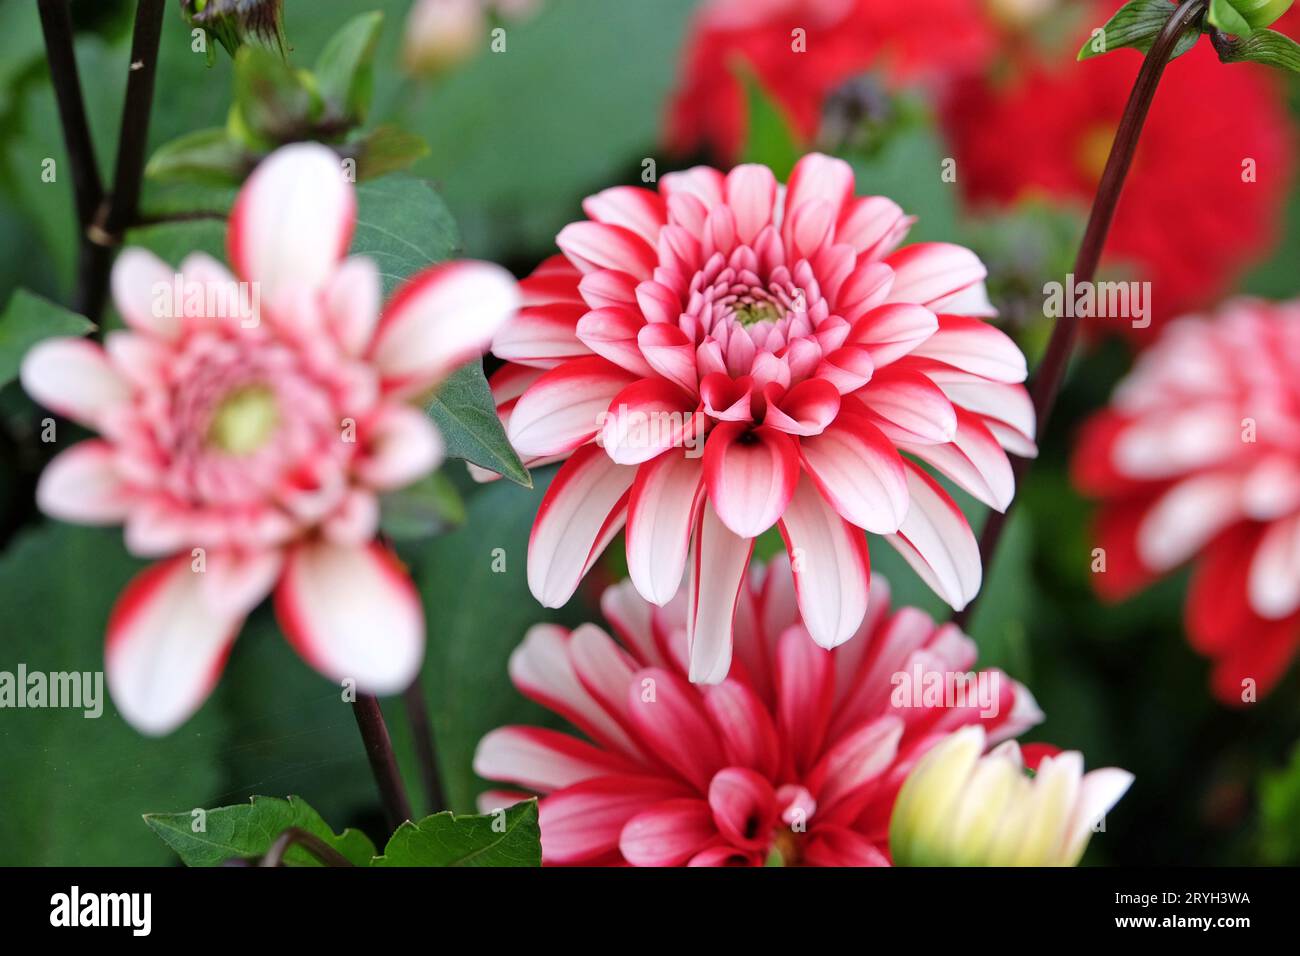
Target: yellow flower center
pixel 244 420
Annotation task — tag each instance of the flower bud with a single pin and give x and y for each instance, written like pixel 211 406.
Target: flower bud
pixel 958 808
pixel 235 22
pixel 441 34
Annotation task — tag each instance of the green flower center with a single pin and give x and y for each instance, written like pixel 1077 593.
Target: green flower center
pixel 753 313
pixel 244 420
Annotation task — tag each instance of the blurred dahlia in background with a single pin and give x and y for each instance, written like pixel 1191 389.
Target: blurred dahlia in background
pixel 801 51
pixel 1205 197
pixel 800 752
pixel 791 335
pixel 1198 457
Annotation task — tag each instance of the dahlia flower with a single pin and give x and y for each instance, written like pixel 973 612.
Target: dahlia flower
pixel 1045 129
pixel 960 809
pixel 246 425
pixel 1199 458
pixel 841 39
pixel 800 750
pixel 724 355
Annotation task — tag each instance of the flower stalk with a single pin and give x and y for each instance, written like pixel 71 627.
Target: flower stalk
pixel 1047 380
pixel 383 762
pixel 426 751
pixel 102 218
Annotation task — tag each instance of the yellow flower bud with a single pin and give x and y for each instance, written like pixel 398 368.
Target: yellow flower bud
pixel 958 808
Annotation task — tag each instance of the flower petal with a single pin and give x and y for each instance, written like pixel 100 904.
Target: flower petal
pixel 543 760
pixel 82 485
pixel 74 378
pixel 717 575
pixel 439 319
pixel 166 647
pixel 751 474
pixel 352 612
pixel 856 467
pixel 662 510
pixel 402 446
pixel 832 573
pixel 667 834
pixel 937 541
pixel 582 510
pixel 565 407
pixel 292 221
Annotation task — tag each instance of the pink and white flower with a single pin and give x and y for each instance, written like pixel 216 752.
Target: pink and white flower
pixel 244 438
pixel 1198 459
pixel 799 750
pixel 785 329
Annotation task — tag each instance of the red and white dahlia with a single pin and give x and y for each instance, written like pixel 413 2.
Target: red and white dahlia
pixel 1199 457
pixel 785 332
pixel 246 424
pixel 800 750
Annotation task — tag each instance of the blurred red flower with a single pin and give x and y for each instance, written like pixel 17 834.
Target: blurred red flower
pixel 840 39
pixel 1205 196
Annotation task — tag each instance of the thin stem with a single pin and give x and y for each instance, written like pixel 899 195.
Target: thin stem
pixel 296 836
pixel 134 137
pixel 87 188
pixel 117 212
pixel 383 763
pixel 56 26
pixel 417 714
pixel 1051 371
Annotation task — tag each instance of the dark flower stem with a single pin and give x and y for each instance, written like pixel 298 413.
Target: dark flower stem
pixel 88 190
pixel 383 763
pixel 295 836
pixel 417 715
pixel 1051 371
pixel 102 219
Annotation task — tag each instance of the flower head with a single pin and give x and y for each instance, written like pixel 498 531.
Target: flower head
pixel 1198 458
pixel 1046 130
pixel 802 50
pixel 247 423
pixel 958 808
pixel 800 750
pixel 727 354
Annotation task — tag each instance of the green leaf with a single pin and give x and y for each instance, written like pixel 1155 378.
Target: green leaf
pixel 1223 15
pixel 204 156
pixel 74 785
pixel 1279 814
pixel 28 319
pixel 404 225
pixel 274 103
pixel 509 837
pixel 387 149
pixel 345 71
pixel 428 507
pixel 772 141
pixel 248 830
pixel 173 241
pixel 466 415
pixel 1136 25
pixel 1263 46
